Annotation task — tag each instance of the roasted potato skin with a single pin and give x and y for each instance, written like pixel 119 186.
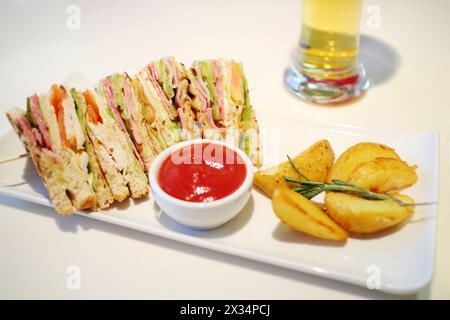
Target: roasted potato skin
pixel 383 175
pixel 360 216
pixel 305 216
pixel 315 163
pixel 356 155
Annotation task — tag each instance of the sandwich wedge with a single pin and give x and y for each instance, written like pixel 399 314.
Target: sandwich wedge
pixel 119 160
pixel 163 87
pixel 206 103
pixel 250 141
pixel 222 105
pixel 172 77
pixel 97 178
pixel 52 134
pixel 132 112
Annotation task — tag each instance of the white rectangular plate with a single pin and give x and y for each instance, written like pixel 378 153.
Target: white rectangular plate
pixel 401 260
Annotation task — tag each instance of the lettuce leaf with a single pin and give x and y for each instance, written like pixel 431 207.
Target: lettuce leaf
pixel 80 108
pixel 164 78
pixel 247 111
pixel 209 77
pixel 117 81
pixel 29 114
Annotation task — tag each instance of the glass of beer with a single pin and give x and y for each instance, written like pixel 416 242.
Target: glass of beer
pixel 325 67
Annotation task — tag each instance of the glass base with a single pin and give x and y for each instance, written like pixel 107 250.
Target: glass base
pixel 326 91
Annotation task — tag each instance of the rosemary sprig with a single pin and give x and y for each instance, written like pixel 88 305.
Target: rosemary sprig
pixel 310 189
pixel 295 168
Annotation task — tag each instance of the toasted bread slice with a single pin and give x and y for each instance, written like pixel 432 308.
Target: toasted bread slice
pixel 78 188
pixel 98 180
pixel 47 165
pixel 114 178
pixel 104 195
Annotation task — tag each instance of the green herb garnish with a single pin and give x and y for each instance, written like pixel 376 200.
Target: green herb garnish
pixel 309 189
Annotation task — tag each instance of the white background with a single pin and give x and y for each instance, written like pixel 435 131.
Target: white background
pixel 406 57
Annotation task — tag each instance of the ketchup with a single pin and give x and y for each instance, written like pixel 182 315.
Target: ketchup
pixel 202 172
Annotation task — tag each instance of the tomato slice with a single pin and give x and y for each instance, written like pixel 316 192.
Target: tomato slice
pixel 92 108
pixel 57 96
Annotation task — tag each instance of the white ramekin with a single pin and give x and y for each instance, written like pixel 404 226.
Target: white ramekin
pixel 201 215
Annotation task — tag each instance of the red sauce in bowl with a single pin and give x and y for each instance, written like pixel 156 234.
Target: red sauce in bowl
pixel 202 172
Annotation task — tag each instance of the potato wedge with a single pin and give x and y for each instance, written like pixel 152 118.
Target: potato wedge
pixel 358 215
pixel 384 174
pixel 267 182
pixel 305 216
pixel 357 154
pixel 315 163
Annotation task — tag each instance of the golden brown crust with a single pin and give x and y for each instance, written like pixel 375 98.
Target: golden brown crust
pixel 114 178
pixel 137 183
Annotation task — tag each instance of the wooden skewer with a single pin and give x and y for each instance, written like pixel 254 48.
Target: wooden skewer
pixel 14 158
